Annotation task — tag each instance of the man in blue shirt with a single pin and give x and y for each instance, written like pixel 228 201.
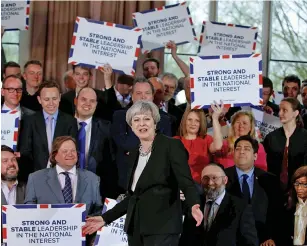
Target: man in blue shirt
pixel 258 188
pixel 42 127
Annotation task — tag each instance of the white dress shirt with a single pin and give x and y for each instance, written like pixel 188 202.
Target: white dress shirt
pixel 73 178
pixel 139 169
pixel 9 194
pixel 300 223
pixel 88 131
pixel 123 101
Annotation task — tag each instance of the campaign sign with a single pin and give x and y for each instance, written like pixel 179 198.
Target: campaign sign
pixel 112 234
pixel 265 122
pixel 15 14
pixel 160 25
pixel 277 97
pixel 43 224
pixel 224 128
pixel 9 128
pixel 96 43
pixel 234 79
pixel 221 38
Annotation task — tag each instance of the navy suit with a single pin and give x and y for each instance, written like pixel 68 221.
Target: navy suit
pixel 101 157
pixel 126 140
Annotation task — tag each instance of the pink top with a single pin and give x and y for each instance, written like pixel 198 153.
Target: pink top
pixel 199 155
pixel 226 159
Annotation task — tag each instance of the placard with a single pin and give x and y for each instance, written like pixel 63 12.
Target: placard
pixel 9 128
pixel 15 14
pixel 224 128
pixel 220 38
pixel 160 25
pixel 43 224
pixel 277 97
pixel 96 43
pixel 112 234
pixel 234 79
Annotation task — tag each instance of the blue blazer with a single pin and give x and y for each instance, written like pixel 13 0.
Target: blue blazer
pixel 44 188
pixel 126 141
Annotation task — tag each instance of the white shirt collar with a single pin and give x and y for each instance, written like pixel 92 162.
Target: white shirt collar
pixel 88 121
pixel 59 170
pixel 4 183
pixel 4 107
pixel 219 199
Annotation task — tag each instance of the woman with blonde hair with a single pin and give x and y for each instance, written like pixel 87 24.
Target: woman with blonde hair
pixel 242 123
pixel 200 145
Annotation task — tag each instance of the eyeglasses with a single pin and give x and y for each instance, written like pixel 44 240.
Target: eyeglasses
pixel 12 90
pixel 214 179
pixel 297 184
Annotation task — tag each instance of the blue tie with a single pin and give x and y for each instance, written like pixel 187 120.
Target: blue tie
pixel 67 191
pixel 81 144
pixel 245 189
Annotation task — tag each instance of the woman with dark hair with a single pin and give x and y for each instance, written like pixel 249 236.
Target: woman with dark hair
pixel 296 219
pixel 286 147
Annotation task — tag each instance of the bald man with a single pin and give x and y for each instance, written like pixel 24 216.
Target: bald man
pixel 96 151
pixel 227 219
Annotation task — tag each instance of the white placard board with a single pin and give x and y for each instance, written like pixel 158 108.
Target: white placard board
pixel 43 224
pixel 15 14
pixel 234 79
pixel 96 43
pixel 9 128
pixel 163 24
pixel 220 38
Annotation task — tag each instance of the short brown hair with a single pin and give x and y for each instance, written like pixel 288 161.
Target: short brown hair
pixel 202 132
pixel 299 173
pixel 48 84
pixel 32 62
pixel 82 67
pixel 56 145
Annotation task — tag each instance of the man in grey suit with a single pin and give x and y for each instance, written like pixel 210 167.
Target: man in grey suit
pixel 12 191
pixel 64 182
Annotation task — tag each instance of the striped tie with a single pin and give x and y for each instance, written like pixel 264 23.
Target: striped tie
pixel 67 191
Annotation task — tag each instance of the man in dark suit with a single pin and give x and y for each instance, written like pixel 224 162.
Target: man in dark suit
pixel 12 190
pixel 170 83
pixel 12 92
pixel 227 219
pixel 96 151
pixel 82 76
pixel 41 128
pixel 122 134
pixel 257 187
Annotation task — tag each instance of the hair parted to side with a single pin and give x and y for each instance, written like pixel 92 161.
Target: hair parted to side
pixel 202 132
pixel 82 67
pixel 56 145
pixel 143 107
pixel 142 80
pixel 231 136
pixel 48 84
pixel 32 62
pixel 248 138
pixel 10 77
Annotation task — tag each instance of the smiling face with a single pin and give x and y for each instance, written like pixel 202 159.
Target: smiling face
pixel 66 156
pixel 9 166
pixel 86 103
pixel 142 91
pixel 169 88
pixel 82 77
pixel 12 99
pixel 143 126
pixel 49 98
pixel 150 69
pixel 242 126
pixel 286 113
pixel 192 123
pixel 33 75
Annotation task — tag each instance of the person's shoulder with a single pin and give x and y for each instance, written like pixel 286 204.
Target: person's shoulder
pixel 90 175
pixel 120 113
pixel 68 94
pixel 27 111
pixel 278 131
pixel 40 173
pixel 65 116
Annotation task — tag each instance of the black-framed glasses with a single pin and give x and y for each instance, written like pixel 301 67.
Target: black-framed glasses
pixel 12 90
pixel 214 179
pixel 297 184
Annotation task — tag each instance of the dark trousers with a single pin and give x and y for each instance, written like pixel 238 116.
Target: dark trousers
pixel 153 240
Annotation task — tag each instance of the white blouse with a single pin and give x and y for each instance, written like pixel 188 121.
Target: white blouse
pixel 139 169
pixel 300 223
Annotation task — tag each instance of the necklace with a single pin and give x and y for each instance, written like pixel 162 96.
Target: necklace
pixel 144 153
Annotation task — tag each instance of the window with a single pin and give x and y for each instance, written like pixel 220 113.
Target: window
pixel 10 44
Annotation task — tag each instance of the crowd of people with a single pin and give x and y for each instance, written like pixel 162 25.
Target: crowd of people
pixel 132 140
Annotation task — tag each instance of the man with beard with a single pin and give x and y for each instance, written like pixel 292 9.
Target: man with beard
pixel 227 219
pixel 12 191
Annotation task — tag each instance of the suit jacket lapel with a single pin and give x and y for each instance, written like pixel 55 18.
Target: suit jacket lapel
pixel 256 186
pixel 54 184
pixel 234 184
pixel 133 156
pixel 81 185
pixel 95 126
pixel 20 194
pixel 3 200
pixel 58 126
pixel 41 127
